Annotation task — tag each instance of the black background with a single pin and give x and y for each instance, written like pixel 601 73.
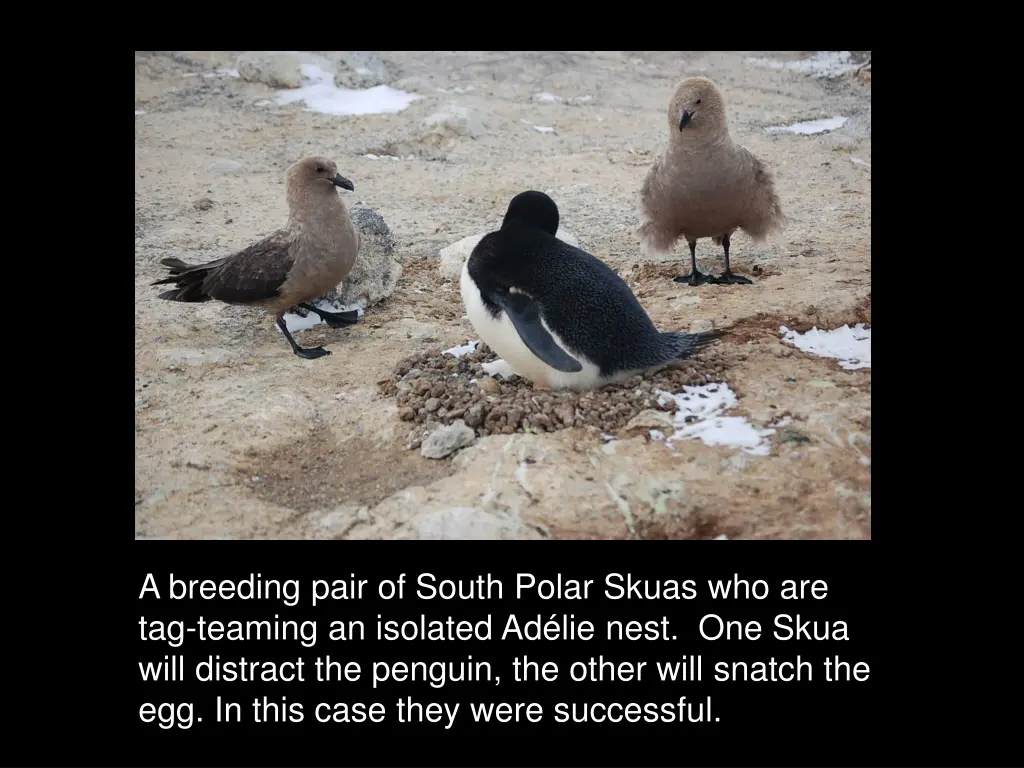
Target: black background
pixel 816 723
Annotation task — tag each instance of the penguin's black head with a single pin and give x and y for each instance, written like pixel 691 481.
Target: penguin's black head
pixel 534 210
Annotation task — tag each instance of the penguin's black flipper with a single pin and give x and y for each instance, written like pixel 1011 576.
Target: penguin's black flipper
pixel 525 316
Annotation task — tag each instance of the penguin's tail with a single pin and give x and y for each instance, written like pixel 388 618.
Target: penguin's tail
pixel 679 345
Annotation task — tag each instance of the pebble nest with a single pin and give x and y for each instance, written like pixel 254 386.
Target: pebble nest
pixel 436 388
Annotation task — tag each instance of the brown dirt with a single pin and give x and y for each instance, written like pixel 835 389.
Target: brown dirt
pixel 305 475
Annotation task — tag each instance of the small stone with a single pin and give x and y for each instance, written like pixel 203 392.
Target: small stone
pixel 489 385
pixel 446 440
pixel 540 420
pixel 565 413
pixel 475 415
pixel 432 404
pixel 203 204
pixel 515 415
pixel 406 414
pixel 666 403
pixel 780 351
pixel 648 420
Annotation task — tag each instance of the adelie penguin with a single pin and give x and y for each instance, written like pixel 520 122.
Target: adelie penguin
pixel 557 315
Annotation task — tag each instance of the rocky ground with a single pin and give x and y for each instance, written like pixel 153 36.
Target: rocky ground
pixel 235 437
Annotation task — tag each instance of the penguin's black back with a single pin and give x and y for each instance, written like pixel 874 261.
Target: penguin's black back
pixel 580 297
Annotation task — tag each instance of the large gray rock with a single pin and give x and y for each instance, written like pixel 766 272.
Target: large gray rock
pixel 375 274
pixel 447 439
pixel 363 69
pixel 278 69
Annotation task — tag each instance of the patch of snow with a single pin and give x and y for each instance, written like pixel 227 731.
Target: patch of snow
pixel 657 434
pixel 139 112
pixel 322 95
pixel 785 421
pixel 583 98
pixel 549 97
pixel 810 126
pixel 543 129
pixel 721 537
pixel 464 349
pixel 851 346
pixel 456 89
pixel 821 64
pixel 858 161
pixel 521 474
pixel 699 415
pixel 498 368
pixel 372 157
pixel 221 72
pixel 298 323
pixel 606 437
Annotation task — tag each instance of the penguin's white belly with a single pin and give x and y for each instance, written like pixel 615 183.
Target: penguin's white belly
pixel 501 336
